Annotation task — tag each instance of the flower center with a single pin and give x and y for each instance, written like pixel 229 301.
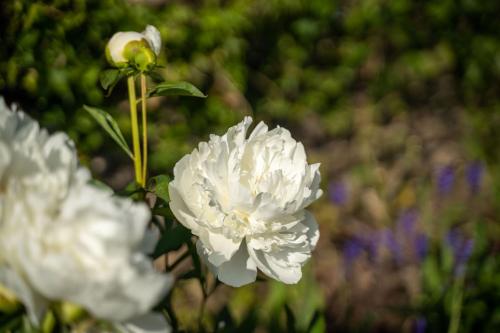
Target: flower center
pixel 237 224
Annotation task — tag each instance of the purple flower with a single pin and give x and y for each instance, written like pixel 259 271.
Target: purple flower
pixel 407 222
pixel 462 249
pixel 338 193
pixel 419 325
pixel 421 246
pixel 393 245
pixel 353 248
pixel 474 175
pixel 445 180
pixel 371 245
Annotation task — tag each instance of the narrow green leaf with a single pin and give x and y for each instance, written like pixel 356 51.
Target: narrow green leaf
pixel 317 323
pixel 175 89
pixel 172 240
pixel 290 319
pixel 159 186
pixel 109 125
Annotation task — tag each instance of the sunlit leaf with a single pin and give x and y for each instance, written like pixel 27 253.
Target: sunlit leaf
pixel 175 89
pixel 159 186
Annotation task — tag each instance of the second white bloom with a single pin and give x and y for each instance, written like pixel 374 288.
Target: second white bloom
pixel 63 239
pixel 245 199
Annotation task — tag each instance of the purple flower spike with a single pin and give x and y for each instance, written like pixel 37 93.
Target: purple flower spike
pixel 407 221
pixel 371 246
pixel 462 250
pixel 445 180
pixel 474 176
pixel 393 245
pixel 338 193
pixel 420 325
pixel 353 248
pixel 421 246
pixel 462 256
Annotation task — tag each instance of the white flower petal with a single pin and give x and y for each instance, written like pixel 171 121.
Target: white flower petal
pixel 239 270
pixel 221 248
pixel 117 43
pixel 153 37
pixel 282 255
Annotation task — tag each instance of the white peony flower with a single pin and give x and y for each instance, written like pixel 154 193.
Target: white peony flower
pixel 117 50
pixel 245 199
pixel 62 239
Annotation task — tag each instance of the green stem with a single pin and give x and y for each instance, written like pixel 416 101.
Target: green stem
pixel 144 128
pixel 135 130
pixel 456 305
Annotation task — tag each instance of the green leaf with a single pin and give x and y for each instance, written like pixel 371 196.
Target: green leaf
pixel 109 78
pixel 317 323
pixel 172 240
pixel 175 89
pixel 164 211
pixel 109 125
pixel 432 277
pixel 159 186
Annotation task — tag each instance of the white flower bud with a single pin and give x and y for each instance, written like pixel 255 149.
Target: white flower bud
pixel 134 48
pixel 115 50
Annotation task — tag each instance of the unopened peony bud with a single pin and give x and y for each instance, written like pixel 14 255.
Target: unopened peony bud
pixel 133 48
pixel 140 55
pixel 115 50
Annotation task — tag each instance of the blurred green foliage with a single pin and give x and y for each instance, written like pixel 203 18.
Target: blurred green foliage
pixel 280 60
pixel 302 63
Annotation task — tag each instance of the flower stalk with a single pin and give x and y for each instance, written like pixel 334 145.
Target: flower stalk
pixel 144 128
pixel 135 131
pixel 456 305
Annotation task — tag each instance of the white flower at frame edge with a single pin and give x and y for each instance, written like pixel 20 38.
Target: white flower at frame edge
pixel 245 199
pixel 64 239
